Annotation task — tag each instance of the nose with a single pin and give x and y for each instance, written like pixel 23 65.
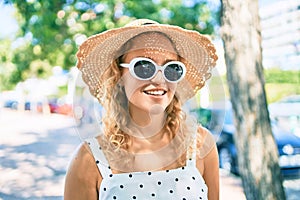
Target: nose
pixel 158 78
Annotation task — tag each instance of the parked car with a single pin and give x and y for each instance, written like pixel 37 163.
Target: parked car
pixel 287 140
pixel 27 105
pixel 61 106
pixel 287 106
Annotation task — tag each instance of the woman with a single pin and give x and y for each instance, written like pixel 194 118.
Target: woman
pixel 149 148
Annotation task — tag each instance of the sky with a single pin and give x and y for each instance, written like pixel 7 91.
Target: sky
pixel 8 25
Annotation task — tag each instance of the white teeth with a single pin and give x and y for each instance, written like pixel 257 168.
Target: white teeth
pixel 155 92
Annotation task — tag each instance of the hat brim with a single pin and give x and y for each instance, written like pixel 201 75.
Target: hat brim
pixel 97 53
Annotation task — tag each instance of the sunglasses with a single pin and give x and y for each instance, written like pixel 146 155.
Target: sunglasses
pixel 146 69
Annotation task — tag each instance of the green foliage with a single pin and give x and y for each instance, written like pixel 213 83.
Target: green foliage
pixel 281 83
pixel 276 91
pixel 6 66
pixel 54 29
pixel 280 76
pixel 203 116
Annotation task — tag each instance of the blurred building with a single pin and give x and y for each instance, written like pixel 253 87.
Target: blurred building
pixel 280 24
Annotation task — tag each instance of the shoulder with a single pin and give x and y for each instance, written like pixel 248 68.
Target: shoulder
pixel 84 160
pixel 208 162
pixel 83 169
pixel 205 141
pixel 202 131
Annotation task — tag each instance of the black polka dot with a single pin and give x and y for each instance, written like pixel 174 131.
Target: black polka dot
pixel 159 183
pixel 193 178
pixel 176 179
pixel 134 197
pixel 167 170
pixel 200 197
pixel 97 161
pixel 153 194
pixel 89 143
pixel 183 198
pixel 110 175
pixel 121 186
pixel 104 189
pixel 202 190
pixel 182 168
pixel 171 191
pixel 149 173
pixel 114 197
pixel 100 148
pixel 141 186
pixel 108 167
pixel 188 188
pixel 130 175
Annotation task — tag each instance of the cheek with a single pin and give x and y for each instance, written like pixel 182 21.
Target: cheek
pixel 172 87
pixel 131 84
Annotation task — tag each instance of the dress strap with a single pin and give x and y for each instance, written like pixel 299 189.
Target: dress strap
pixel 99 157
pixel 191 161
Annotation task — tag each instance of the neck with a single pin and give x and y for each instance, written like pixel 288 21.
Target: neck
pixel 146 124
pixel 150 137
pixel 148 145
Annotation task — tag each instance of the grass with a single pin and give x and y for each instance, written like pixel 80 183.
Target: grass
pixel 276 91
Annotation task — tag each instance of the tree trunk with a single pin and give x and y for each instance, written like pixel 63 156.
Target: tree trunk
pixel 257 151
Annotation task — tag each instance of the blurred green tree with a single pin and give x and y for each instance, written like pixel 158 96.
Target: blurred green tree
pixel 54 29
pixel 6 67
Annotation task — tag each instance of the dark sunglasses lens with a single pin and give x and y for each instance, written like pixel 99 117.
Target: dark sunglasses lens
pixel 144 69
pixel 173 72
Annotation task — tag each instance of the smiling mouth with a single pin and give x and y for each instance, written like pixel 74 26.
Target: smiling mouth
pixel 155 92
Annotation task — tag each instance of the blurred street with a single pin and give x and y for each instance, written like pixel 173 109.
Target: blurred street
pixel 35 150
pixel 34 154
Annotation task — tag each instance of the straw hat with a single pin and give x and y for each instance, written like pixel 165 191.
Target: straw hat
pixel 97 53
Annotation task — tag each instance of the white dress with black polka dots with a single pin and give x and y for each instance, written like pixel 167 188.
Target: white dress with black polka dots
pixel 184 183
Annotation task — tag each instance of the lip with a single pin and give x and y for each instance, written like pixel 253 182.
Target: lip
pixel 156 92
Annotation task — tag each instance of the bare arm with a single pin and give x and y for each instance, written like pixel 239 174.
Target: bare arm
pixel 83 178
pixel 208 163
pixel 211 174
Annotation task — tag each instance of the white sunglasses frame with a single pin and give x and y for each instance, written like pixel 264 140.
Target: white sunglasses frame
pixel 130 66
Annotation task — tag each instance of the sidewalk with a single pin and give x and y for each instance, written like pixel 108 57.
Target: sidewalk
pixel 230 187
pixel 34 153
